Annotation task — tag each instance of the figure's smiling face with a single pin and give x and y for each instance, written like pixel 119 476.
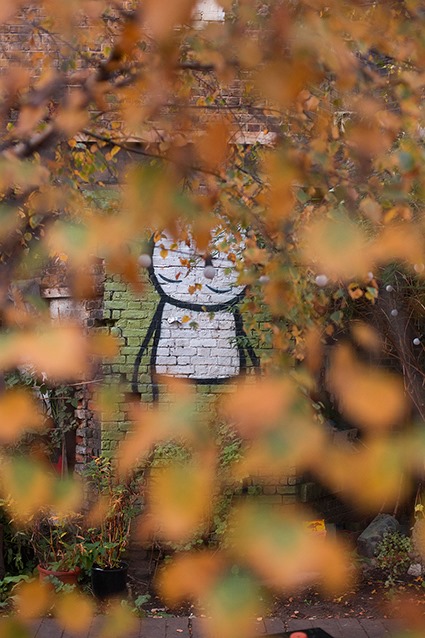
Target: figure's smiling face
pixel 179 270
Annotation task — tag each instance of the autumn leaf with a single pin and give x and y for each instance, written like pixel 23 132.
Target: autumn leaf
pixel 74 611
pixel 119 620
pixel 372 398
pixel 161 19
pixel 190 575
pixel 26 486
pixel 337 247
pixel 381 465
pixel 283 551
pixel 19 412
pixel 180 499
pixel 33 599
pixel 60 352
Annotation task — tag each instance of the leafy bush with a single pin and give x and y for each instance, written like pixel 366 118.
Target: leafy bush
pixel 57 541
pixel 18 554
pixel 107 542
pixel 8 585
pixel 393 556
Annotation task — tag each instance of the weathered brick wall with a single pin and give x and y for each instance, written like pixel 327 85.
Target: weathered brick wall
pixel 117 308
pixel 129 316
pixel 55 289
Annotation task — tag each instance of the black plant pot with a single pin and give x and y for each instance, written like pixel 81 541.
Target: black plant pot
pixel 110 581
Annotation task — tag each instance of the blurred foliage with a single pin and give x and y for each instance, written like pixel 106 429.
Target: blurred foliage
pixel 298 127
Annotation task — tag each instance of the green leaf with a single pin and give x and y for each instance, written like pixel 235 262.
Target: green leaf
pixel 406 161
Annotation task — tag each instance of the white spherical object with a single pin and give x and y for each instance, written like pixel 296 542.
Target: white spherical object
pixel 145 260
pixel 264 279
pixel 389 288
pixel 370 276
pixel 419 267
pixel 209 272
pixel 394 312
pixel 416 341
pixel 321 280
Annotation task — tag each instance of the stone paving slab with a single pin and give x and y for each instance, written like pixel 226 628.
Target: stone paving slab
pixel 153 628
pixel 274 625
pixel 174 627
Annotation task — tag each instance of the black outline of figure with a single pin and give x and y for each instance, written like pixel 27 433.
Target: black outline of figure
pixel 154 332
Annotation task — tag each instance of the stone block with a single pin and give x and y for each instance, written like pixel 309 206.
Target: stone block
pixel 266 499
pixel 374 532
pixel 309 492
pixel 269 489
pixel 287 489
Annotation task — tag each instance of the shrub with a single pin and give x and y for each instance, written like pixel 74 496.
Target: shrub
pixel 393 556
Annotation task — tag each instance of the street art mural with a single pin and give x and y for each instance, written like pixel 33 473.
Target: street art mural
pixel 197 330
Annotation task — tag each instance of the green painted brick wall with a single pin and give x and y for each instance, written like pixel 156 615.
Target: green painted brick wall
pixel 128 315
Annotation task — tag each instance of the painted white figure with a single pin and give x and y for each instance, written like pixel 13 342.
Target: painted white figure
pixel 209 10
pixel 196 332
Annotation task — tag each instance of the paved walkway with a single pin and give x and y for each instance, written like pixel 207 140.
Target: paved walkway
pixel 180 628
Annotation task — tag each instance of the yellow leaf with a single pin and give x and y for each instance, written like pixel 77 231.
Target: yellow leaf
pixel 103 345
pixel 18 412
pixel 119 621
pixel 369 397
pixel 29 117
pixel 33 599
pixel 58 351
pixel 180 497
pixel 366 336
pixel 74 612
pixel 27 485
pixel 213 146
pixel 379 465
pixel 189 576
pixel 355 291
pixel 279 546
pixel 336 247
pixel 162 18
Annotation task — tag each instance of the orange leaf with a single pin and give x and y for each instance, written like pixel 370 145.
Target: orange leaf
pixel 33 599
pixel 190 576
pixel 371 398
pixel 58 351
pixel 336 247
pixel 180 499
pixel 18 412
pixel 74 612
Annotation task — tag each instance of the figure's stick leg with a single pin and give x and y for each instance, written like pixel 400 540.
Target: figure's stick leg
pixel 154 382
pixel 240 332
pixel 152 330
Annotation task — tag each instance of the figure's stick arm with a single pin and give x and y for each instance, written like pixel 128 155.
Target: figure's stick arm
pixel 153 327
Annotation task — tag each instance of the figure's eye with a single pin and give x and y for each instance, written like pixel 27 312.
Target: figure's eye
pixel 168 280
